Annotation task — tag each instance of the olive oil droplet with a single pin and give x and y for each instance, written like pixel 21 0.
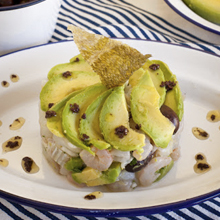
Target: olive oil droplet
pixel 5 84
pixel 12 144
pixel 29 166
pixel 14 78
pixel 4 162
pixel 17 123
pixel 201 165
pixel 94 195
pixel 200 133
pixel 213 116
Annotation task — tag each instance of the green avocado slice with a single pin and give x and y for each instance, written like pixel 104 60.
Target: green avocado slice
pixel 163 171
pixel 114 114
pixel 157 77
pixel 54 124
pixel 60 86
pixel 94 177
pixel 71 119
pixel 90 125
pixel 75 164
pixel 136 76
pixel 145 110
pixel 208 9
pixel 76 63
pixel 174 98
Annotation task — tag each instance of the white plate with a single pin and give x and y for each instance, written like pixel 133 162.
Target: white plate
pixel 179 7
pixel 199 79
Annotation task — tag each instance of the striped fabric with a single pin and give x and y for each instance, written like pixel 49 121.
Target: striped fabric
pixel 208 210
pixel 119 19
pixel 114 18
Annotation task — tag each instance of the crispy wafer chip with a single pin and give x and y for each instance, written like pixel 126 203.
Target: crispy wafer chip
pixel 114 61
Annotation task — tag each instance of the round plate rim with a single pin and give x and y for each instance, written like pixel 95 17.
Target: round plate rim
pixel 192 20
pixel 19 6
pixel 110 212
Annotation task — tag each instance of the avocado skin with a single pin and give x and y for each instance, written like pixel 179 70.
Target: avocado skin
pixel 94 177
pixel 174 98
pixel 58 87
pixel 208 9
pixel 76 63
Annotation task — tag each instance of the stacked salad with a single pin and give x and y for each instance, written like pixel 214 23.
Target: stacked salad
pixel 111 125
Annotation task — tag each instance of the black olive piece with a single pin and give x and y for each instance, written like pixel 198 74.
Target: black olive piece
pixel 171 115
pixel 136 165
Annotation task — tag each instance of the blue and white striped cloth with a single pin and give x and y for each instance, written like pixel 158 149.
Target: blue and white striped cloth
pixel 208 210
pixel 114 18
pixel 119 19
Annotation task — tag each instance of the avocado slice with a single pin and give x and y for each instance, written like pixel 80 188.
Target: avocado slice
pixel 54 124
pixel 90 125
pixel 174 98
pixel 208 9
pixel 71 117
pixel 75 164
pixel 145 110
pixel 76 63
pixel 94 177
pixel 157 78
pixel 164 170
pixel 59 86
pixel 114 115
pixel 136 76
pixel 87 174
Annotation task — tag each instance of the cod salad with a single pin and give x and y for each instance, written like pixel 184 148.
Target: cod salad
pixel 111 116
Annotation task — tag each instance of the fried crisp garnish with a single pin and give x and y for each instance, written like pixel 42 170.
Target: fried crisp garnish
pixel 114 61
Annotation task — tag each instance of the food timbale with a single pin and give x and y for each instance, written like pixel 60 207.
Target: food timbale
pixel 208 9
pixel 111 116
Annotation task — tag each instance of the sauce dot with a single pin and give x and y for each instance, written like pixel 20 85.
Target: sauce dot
pixel 4 162
pixel 5 84
pixel 213 116
pixel 12 144
pixel 199 157
pixel 0 123
pixel 201 165
pixel 200 133
pixel 94 195
pixel 17 123
pixel 14 77
pixel 29 166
